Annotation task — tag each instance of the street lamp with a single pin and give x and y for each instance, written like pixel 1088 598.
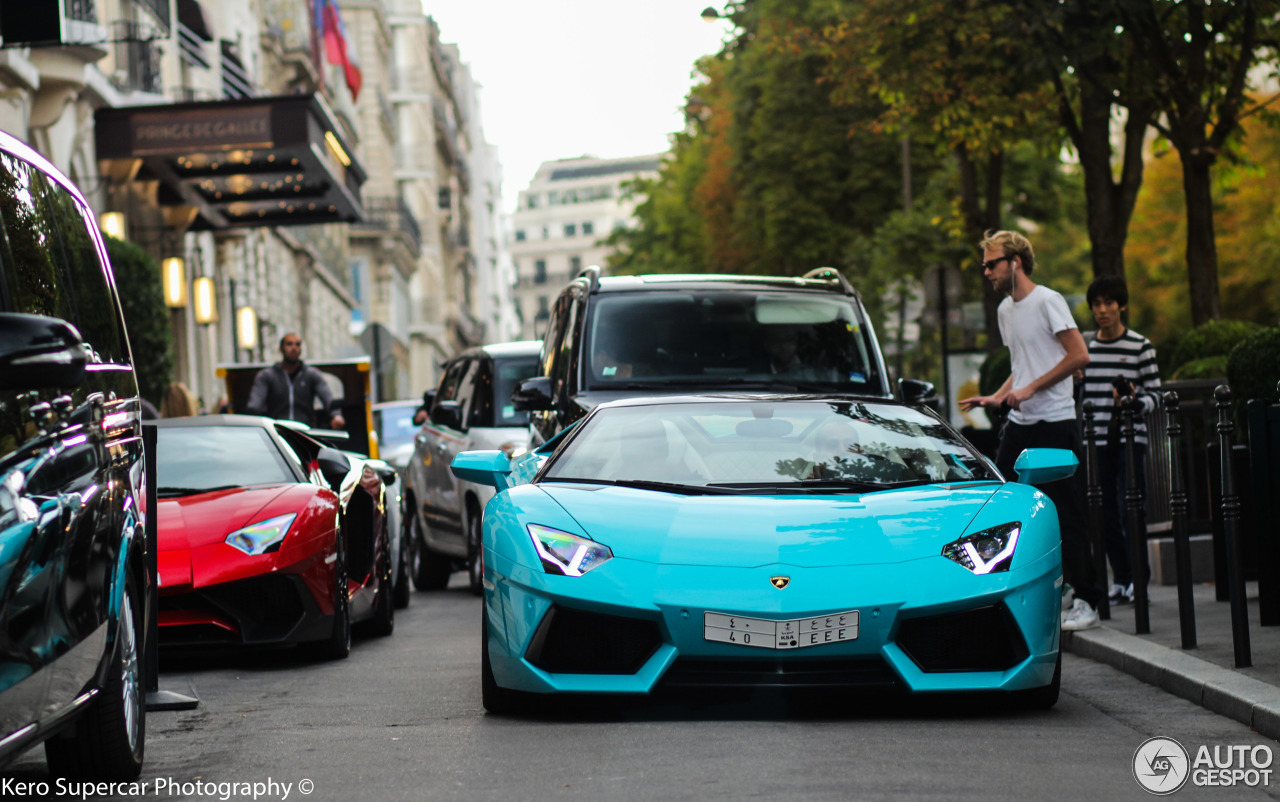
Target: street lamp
pixel 112 224
pixel 710 15
pixel 206 300
pixel 174 271
pixel 247 328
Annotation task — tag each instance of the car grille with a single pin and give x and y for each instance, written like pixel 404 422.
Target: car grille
pixel 577 642
pixel 857 673
pixel 985 639
pixel 266 609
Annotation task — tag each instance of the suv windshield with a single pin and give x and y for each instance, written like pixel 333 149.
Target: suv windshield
pixel 717 338
pixel 511 372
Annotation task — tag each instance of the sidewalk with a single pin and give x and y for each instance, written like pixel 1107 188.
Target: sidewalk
pixel 1206 674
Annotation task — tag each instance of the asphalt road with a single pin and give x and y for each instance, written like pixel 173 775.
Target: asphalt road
pixel 401 720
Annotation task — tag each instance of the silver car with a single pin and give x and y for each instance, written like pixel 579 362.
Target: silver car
pixel 471 409
pixel 393 421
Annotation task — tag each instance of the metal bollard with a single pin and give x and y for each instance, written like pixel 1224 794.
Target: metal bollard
pixel 1181 539
pixel 1231 530
pixel 1137 532
pixel 1097 532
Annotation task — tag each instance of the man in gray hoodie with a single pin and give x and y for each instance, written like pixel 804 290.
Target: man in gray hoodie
pixel 288 389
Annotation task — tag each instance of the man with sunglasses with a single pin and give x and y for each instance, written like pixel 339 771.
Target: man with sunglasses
pixel 1045 349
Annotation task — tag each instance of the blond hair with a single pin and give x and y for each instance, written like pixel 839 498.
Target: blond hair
pixel 178 402
pixel 1010 243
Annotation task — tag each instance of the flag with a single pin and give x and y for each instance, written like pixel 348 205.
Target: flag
pixel 337 51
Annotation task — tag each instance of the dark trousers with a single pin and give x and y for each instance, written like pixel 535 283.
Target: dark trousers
pixel 1114 481
pixel 1066 495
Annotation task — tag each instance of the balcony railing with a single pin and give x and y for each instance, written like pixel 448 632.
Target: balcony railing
pixel 159 9
pixel 138 56
pixel 411 80
pixel 391 214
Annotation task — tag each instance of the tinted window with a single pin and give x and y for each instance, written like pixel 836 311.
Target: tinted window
pixel 95 312
pixel 35 282
pixel 773 444
pixel 467 389
pixel 510 373
pixel 195 459
pixel 723 338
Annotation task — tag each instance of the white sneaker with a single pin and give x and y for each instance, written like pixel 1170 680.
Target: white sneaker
pixel 1080 616
pixel 1068 593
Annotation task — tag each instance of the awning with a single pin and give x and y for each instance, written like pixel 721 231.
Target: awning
pixel 192 16
pixel 240 163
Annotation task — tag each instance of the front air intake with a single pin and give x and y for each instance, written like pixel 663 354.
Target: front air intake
pixel 577 642
pixel 985 639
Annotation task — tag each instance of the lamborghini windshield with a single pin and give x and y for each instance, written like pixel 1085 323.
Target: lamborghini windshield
pixel 759 446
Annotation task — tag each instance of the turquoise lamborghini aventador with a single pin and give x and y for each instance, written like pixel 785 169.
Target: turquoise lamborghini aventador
pixel 785 541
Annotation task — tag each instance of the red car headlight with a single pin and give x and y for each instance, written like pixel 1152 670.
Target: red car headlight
pixel 262 537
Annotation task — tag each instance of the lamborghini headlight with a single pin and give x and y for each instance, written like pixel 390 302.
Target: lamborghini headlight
pixel 263 536
pixel 985 552
pixel 563 553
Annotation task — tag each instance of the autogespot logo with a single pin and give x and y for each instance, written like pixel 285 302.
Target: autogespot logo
pixel 1161 766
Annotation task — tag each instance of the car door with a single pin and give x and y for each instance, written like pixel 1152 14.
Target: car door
pixel 71 456
pixel 440 439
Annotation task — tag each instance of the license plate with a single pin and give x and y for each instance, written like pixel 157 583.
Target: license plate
pixel 794 634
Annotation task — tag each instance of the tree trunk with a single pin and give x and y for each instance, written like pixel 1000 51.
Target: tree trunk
pixel 1094 148
pixel 976 222
pixel 1202 249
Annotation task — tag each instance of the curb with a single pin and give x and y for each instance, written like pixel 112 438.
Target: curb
pixel 1251 702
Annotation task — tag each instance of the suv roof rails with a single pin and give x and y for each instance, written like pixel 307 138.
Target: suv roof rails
pixel 592 274
pixel 830 274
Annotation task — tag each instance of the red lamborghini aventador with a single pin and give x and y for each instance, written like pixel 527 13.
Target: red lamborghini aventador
pixel 267 537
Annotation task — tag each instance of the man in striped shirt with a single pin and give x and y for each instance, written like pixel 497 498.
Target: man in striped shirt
pixel 1121 362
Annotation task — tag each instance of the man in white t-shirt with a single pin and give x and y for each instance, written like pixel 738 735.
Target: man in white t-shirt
pixel 1045 349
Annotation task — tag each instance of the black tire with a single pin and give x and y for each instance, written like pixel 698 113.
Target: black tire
pixel 109 739
pixel 403 586
pixel 497 700
pixel 338 645
pixel 430 570
pixel 383 622
pixel 475 551
pixel 1044 697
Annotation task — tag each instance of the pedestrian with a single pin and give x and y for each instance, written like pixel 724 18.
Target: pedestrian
pixel 1045 350
pixel 289 389
pixel 1121 363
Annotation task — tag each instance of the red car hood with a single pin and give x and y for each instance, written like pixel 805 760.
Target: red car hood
pixel 193 521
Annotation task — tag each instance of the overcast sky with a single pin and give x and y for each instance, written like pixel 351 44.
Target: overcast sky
pixel 564 78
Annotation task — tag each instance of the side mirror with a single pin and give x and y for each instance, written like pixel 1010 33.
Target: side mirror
pixel 1037 466
pixel 334 465
pixel 447 414
pixel 914 391
pixel 533 394
pixel 38 352
pixel 491 468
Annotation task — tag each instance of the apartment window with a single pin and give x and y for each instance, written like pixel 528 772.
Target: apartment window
pixel 546 233
pixel 570 230
pixel 520 235
pixel 544 309
pixel 575 264
pixel 540 271
pixel 531 201
pixel 588 229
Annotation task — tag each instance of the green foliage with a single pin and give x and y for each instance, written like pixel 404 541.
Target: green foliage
pixel 995 369
pixel 146 318
pixel 1253 366
pixel 1209 367
pixel 1215 338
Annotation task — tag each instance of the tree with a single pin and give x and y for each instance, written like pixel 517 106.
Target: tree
pixel 1200 54
pixel 1083 52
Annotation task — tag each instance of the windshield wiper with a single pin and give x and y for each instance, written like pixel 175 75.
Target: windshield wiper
pixel 174 492
pixel 644 484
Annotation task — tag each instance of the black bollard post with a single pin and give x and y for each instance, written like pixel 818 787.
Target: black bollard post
pixel 1181 539
pixel 1137 531
pixel 1097 533
pixel 1231 532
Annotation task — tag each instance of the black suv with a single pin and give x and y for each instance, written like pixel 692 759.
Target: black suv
pixel 73 580
pixel 624 336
